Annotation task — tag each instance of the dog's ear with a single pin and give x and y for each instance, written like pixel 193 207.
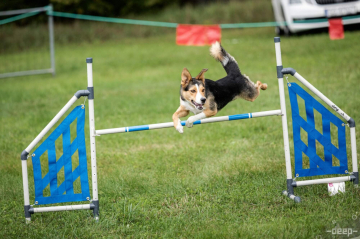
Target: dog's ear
pixel 201 76
pixel 185 77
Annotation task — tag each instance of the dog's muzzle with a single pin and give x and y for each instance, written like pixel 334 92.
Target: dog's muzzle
pixel 198 106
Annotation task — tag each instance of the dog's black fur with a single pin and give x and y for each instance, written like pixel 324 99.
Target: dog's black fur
pixel 231 86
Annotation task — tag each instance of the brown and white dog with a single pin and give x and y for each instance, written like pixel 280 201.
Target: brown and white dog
pixel 205 97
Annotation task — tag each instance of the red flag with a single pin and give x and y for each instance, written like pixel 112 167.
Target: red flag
pixel 336 29
pixel 197 35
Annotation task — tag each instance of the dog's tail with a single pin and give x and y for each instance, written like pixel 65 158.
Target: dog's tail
pixel 228 62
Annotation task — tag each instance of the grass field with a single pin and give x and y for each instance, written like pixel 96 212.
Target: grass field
pixel 219 180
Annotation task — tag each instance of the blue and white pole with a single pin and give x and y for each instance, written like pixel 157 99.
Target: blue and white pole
pixel 203 121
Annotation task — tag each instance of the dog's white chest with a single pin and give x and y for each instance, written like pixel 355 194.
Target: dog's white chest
pixel 190 107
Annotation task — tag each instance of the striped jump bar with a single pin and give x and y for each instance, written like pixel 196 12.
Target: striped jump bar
pixel 203 121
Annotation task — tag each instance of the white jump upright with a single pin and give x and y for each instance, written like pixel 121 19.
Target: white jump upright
pixel 94 202
pixel 24 156
pixel 291 183
pixel 95 199
pixel 354 175
pixel 279 67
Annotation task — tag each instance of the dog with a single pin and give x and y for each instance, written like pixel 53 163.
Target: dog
pixel 205 98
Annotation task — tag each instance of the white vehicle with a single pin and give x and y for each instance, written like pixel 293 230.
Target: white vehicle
pixel 300 15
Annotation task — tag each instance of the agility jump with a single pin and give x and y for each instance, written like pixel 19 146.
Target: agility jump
pixel 65 191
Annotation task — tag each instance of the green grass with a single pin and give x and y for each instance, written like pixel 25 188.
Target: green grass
pixel 214 181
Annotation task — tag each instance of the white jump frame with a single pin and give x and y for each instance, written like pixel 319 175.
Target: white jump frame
pixel 291 183
pixel 49 10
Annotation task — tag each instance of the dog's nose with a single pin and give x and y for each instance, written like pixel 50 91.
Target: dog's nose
pixel 203 100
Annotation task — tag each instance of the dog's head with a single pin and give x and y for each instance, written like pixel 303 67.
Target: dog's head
pixel 193 89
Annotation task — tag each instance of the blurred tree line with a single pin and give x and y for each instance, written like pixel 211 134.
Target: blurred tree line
pixel 108 8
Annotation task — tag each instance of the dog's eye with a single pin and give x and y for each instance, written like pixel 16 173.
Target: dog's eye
pixel 193 91
pixel 203 90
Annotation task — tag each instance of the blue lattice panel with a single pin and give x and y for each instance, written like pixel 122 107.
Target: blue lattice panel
pixel 65 191
pixel 317 166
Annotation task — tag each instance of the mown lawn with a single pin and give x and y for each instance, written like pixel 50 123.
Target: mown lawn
pixel 215 180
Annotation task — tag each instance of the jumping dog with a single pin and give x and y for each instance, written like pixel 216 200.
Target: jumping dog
pixel 205 98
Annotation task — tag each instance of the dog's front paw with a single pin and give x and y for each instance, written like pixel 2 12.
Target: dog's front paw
pixel 190 121
pixel 180 129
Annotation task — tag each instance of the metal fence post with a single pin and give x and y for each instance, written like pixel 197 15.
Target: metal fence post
pixel 51 38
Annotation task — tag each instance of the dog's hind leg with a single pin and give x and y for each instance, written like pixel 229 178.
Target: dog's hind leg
pixel 252 90
pixel 259 85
